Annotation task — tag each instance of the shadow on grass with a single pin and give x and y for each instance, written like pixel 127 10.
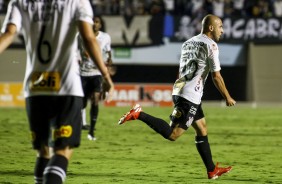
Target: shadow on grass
pixel 150 178
pixel 17 172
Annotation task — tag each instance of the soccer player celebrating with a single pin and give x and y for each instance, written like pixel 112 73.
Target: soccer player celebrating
pixel 52 85
pixel 199 56
pixel 91 77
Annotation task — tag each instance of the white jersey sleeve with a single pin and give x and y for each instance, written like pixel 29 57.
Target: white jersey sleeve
pixel 213 58
pixel 199 56
pixel 104 41
pixel 49 29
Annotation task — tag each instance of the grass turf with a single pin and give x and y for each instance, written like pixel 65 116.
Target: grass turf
pixel 247 138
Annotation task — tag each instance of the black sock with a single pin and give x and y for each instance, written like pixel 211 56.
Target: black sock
pixel 39 169
pixel 157 124
pixel 204 150
pixel 55 172
pixel 93 118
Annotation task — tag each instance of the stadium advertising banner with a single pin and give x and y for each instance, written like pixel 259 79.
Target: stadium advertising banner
pixel 11 95
pixel 236 30
pixel 147 30
pixel 144 94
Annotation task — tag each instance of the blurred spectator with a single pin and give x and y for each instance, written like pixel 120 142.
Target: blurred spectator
pixel 115 7
pixel 182 7
pixel 3 6
pixel 197 6
pixel 208 6
pixel 169 5
pixel 261 9
pixel 156 24
pixel 141 8
pixel 238 8
pixel 228 8
pixel 277 6
pixel 157 7
pixel 192 8
pixel 218 8
pixel 248 8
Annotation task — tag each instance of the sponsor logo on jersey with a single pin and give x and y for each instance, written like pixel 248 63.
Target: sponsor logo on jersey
pixel 63 131
pixel 45 81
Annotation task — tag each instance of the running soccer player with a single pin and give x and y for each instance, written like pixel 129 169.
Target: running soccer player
pixel 91 77
pixel 199 56
pixel 52 85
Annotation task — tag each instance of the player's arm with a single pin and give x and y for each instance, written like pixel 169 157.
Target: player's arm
pixel 93 48
pixel 7 37
pixel 220 85
pixel 109 58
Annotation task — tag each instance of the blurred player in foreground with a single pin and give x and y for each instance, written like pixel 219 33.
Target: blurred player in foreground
pixel 52 85
pixel 199 56
pixel 91 77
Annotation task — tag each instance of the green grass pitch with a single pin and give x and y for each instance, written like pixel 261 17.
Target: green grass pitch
pixel 249 139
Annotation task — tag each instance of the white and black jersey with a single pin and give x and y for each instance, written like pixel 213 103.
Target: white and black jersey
pixel 87 66
pixel 199 56
pixel 51 28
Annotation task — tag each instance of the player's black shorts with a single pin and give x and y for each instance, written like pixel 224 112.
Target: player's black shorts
pixel 185 112
pixel 91 84
pixel 54 120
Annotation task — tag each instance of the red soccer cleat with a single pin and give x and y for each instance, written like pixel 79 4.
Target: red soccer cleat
pixel 218 171
pixel 131 115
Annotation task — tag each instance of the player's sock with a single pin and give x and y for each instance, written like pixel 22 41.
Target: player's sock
pixel 83 113
pixel 93 118
pixel 204 150
pixel 55 172
pixel 157 124
pixel 39 169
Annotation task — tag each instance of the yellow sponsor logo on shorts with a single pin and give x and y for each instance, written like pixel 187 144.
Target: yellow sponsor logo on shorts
pixel 176 113
pixel 63 131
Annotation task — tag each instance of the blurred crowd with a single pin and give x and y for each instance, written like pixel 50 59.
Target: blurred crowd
pixel 192 8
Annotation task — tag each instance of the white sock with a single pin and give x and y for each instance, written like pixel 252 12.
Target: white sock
pixel 83 113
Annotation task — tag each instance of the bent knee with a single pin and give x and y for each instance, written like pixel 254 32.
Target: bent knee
pixel 174 137
pixel 177 132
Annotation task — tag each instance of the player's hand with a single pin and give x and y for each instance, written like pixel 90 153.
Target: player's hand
pixel 230 102
pixel 109 61
pixel 108 90
pixel 112 69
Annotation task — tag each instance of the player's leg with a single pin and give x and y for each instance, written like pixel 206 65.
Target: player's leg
pixel 96 89
pixel 202 143
pixel 157 124
pixel 170 132
pixel 84 121
pixel 182 116
pixel 203 146
pixel 85 87
pixel 66 136
pixel 94 110
pixel 38 113
pixel 43 158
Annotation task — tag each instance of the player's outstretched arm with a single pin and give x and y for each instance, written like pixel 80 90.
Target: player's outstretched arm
pixel 94 51
pixel 220 85
pixel 7 37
